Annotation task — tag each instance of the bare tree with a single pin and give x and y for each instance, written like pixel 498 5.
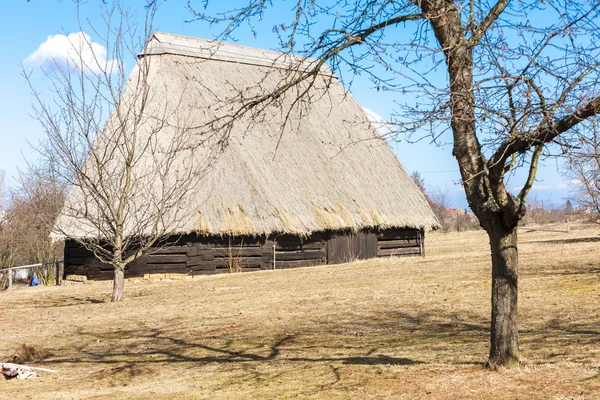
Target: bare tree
pixel 440 204
pixel 420 182
pixel 120 144
pixel 503 80
pixel 437 198
pixel 584 170
pixel 32 209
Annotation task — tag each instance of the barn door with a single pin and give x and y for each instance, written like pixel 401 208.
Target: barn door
pixel 349 246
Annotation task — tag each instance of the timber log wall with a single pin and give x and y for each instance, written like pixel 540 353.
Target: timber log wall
pixel 203 255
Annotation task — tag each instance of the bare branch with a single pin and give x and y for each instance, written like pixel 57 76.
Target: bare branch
pixel 490 18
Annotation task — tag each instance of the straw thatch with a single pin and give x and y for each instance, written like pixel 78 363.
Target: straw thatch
pixel 327 170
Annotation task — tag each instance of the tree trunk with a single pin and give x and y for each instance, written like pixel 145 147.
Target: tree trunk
pixel 118 282
pixel 504 343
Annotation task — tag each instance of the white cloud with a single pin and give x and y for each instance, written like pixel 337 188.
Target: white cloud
pixel 535 186
pixel 384 127
pixel 540 187
pixel 76 50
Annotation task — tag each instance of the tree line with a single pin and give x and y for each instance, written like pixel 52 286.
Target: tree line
pixel 27 219
pixel 580 205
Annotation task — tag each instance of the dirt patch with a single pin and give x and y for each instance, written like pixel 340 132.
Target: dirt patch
pixel 27 353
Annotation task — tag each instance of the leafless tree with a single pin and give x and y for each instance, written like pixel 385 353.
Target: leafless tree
pixel 584 170
pixel 120 144
pixel 32 209
pixel 437 198
pixel 440 203
pixel 503 81
pixel 420 182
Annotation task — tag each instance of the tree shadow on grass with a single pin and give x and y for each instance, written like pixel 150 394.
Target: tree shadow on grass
pixel 440 336
pixel 261 364
pixel 70 301
pixel 326 354
pixel 590 239
pixel 169 349
pixel 380 360
pixel 584 333
pixel 354 342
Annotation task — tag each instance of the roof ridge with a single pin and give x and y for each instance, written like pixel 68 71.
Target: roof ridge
pixel 168 43
pixel 216 42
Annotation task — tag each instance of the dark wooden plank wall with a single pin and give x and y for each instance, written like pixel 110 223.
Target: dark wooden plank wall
pixel 293 251
pixel 196 255
pixel 80 261
pixel 399 242
pixel 218 255
pixel 203 256
pixel 349 246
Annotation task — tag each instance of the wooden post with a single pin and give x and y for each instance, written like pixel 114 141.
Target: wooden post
pixel 457 222
pixel 274 252
pixel 57 272
pixel 10 279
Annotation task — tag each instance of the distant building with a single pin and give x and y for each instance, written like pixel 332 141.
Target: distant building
pixel 454 213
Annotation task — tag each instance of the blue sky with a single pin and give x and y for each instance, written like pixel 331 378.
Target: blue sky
pixel 24 26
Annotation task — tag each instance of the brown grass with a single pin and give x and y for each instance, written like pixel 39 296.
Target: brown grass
pixel 390 328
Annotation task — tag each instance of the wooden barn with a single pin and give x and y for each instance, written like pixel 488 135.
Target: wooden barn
pixel 327 189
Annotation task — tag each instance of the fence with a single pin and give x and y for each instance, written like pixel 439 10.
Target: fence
pixel 47 273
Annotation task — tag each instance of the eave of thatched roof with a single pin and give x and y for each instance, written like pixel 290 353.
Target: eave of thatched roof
pixel 328 169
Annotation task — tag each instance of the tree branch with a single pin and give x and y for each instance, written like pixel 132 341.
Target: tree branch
pixel 544 134
pixel 492 16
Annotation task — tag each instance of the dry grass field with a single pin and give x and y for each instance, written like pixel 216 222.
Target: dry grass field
pixel 389 328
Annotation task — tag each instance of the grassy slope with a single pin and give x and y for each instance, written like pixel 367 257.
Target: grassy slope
pixel 389 328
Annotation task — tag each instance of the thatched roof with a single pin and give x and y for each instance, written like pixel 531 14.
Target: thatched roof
pixel 328 169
